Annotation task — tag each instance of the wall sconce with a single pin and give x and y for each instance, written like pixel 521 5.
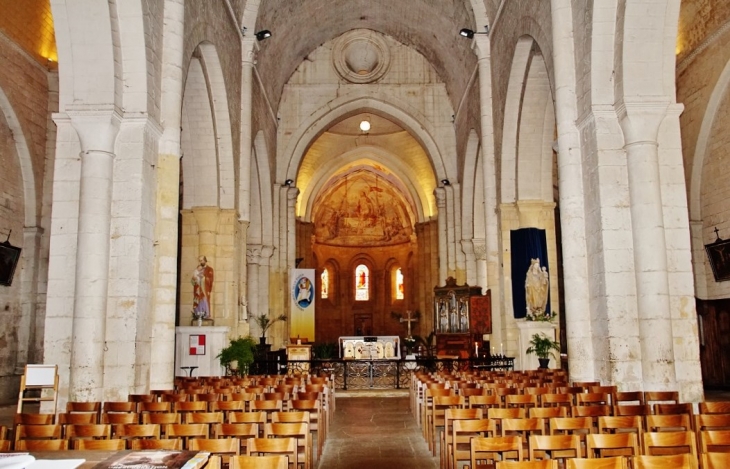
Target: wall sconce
pixel 261 35
pixel 468 33
pixel 445 182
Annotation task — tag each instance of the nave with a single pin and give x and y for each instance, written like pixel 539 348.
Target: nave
pixel 375 432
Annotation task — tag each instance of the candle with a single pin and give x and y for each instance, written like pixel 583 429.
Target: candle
pixel 501 348
pixel 476 349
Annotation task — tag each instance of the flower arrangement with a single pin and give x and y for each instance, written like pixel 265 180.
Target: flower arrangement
pixel 542 317
pixel 410 344
pixel 198 315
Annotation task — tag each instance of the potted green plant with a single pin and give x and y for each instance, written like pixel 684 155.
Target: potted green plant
pixel 543 346
pixel 238 356
pixel 265 322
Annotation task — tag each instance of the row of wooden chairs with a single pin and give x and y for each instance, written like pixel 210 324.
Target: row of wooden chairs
pixel 677 461
pixel 675 447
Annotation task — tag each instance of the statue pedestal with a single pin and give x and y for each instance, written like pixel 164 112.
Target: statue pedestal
pixel 198 347
pixel 527 330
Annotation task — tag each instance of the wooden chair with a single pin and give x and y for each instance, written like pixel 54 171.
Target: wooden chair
pixel 274 447
pixel 487 451
pixel 610 391
pixel 556 447
pixel 154 407
pixel 93 407
pixel 543 464
pixel 97 431
pixel 547 412
pixel 427 405
pixel 274 405
pixel 100 445
pixel 675 461
pixel 484 402
pixel 525 401
pixel 186 407
pixel 204 417
pixel 445 443
pixel 227 407
pixel 718 407
pixel 499 414
pixel 256 418
pixel 259 462
pixel 622 424
pixel 317 425
pixel 171 444
pixel 667 397
pixel 131 432
pixel 186 431
pixel 524 428
pixel 593 398
pixel 557 400
pixel 120 418
pixel 37 433
pixel 139 398
pixel 241 431
pixel 668 423
pixel 438 417
pixel 173 398
pixel 79 418
pixel 600 463
pixel 662 443
pixel 34 419
pixel 630 397
pixel 618 444
pixel 715 441
pixel 712 422
pixel 462 431
pixel 592 411
pixel 118 407
pixel 674 409
pixel 715 460
pixel 222 447
pixel 581 426
pixel 299 431
pixel 41 445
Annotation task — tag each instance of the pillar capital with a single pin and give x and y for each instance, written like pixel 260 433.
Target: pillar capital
pixel 259 254
pixel 640 120
pixel 206 218
pixel 97 126
pixel 480 249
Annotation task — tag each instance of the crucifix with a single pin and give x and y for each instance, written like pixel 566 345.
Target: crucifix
pixel 409 320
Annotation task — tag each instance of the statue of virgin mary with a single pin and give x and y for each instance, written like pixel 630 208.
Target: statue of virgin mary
pixel 536 289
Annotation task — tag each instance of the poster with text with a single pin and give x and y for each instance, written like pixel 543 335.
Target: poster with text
pixel 302 304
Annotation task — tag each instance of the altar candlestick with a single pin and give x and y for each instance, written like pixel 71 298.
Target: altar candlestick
pixel 501 349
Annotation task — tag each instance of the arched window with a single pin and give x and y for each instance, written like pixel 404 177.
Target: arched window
pixel 325 284
pixel 362 283
pixel 399 287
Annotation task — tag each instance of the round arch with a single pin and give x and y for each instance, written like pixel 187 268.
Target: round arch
pixel 403 114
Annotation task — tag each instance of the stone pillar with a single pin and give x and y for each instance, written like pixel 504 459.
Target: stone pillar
pixel 467 248
pixel 443 255
pixel 579 329
pixel 459 257
pixel 482 47
pixel 97 132
pixel 480 257
pixel 28 296
pixel 640 123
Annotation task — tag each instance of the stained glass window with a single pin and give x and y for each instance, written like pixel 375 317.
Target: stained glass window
pixel 399 288
pixel 362 283
pixel 324 292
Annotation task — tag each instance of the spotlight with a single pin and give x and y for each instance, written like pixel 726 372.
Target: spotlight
pixel 263 34
pixel 468 33
pixel 289 182
pixel 445 182
pixel 365 125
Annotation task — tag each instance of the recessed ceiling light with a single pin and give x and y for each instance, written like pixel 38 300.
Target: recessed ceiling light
pixel 365 125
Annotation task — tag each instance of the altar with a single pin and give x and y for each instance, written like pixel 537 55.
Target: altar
pixel 370 347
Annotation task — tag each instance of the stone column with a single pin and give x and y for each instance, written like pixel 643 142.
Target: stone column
pixel 97 130
pixel 482 47
pixel 459 258
pixel 640 123
pixel 440 194
pixel 467 248
pixel 480 257
pixel 257 263
pixel 28 295
pixel 577 312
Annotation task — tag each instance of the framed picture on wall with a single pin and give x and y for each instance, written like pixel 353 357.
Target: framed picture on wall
pixel 719 255
pixel 9 257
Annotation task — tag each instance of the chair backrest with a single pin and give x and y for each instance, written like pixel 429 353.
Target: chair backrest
pixel 712 422
pixel 222 446
pixel 676 461
pixel 34 419
pixel 100 445
pixel 630 397
pixel 187 431
pixel 79 406
pixel 259 462
pixel 78 418
pixel 119 406
pixel 715 441
pixel 600 445
pixel 145 407
pixel 130 431
pixel 273 446
pixel 168 444
pixel 622 424
pixel 715 460
pixel 673 409
pixel 293 416
pixel 41 445
pixel 716 407
pixel 632 409
pixel 204 417
pixel 191 406
pixel 547 412
pixel 571 425
pixel 520 400
pixel 660 443
pixel 599 463
pixel 37 432
pixel 542 464
pixel 120 418
pixel 495 449
pixel 554 447
pixel 90 431
pixel 161 418
pixel 671 423
pixel 670 397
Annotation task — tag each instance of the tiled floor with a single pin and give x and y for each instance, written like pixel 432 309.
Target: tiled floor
pixel 375 432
